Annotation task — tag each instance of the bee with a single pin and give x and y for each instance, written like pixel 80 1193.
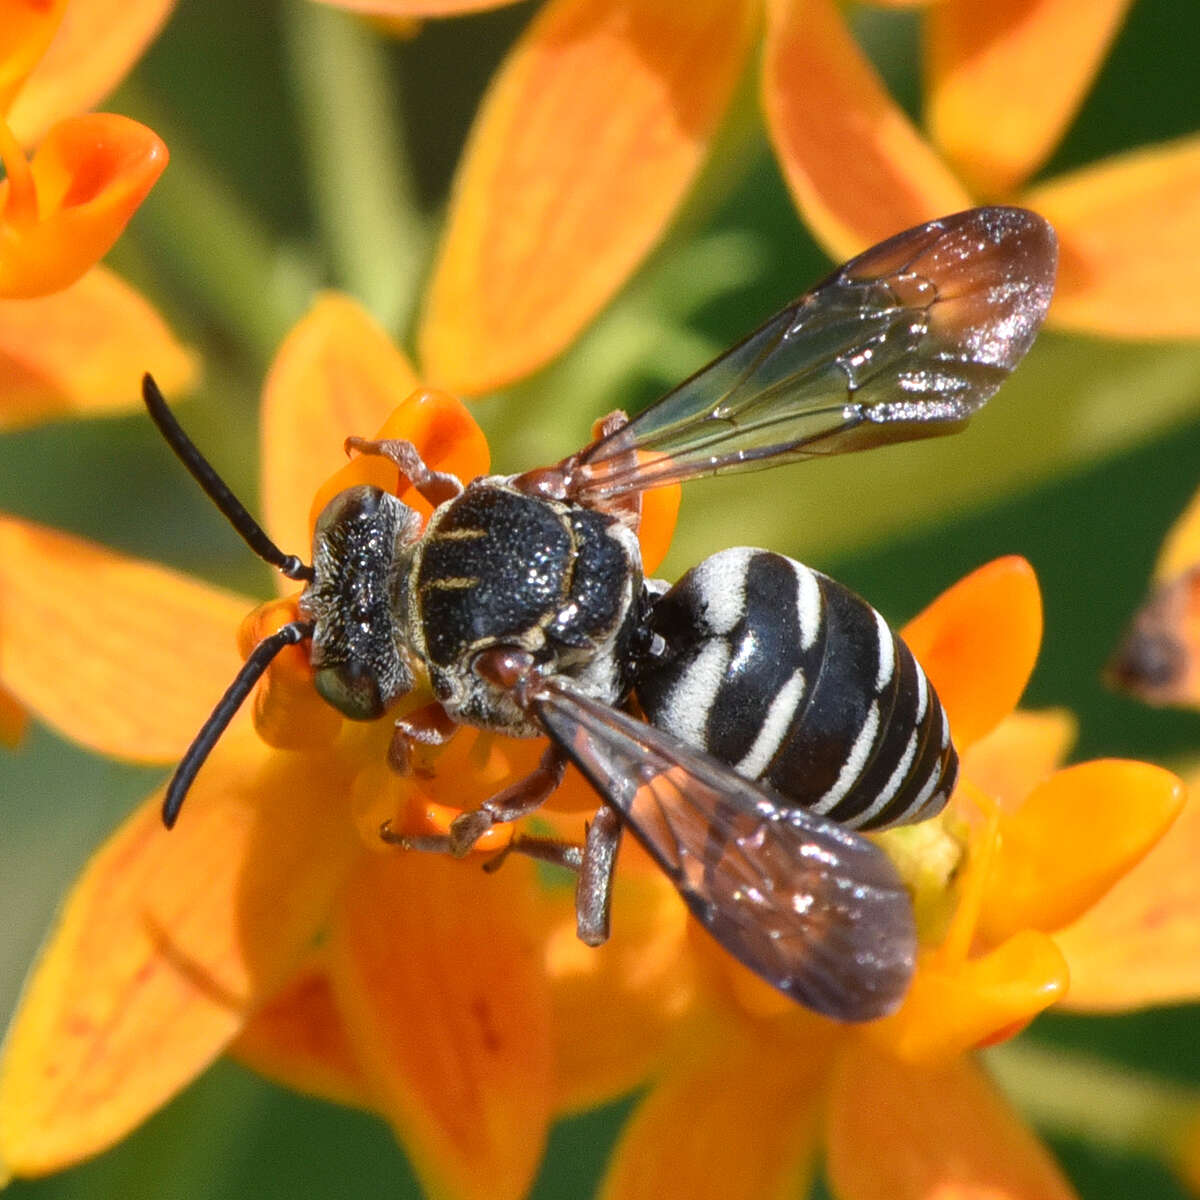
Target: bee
pixel 745 723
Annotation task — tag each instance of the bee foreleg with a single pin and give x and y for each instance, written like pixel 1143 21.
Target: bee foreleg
pixel 515 802
pixel 427 729
pixel 436 486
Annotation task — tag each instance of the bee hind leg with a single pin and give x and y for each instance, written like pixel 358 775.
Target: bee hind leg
pixel 594 862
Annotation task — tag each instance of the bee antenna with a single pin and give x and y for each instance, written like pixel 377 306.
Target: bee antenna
pixel 252 670
pixel 216 488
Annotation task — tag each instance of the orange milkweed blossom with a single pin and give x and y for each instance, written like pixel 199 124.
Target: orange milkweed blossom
pixel 273 920
pixel 71 333
pixel 1012 886
pixel 603 113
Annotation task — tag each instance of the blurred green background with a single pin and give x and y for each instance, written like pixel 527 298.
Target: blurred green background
pixel 287 122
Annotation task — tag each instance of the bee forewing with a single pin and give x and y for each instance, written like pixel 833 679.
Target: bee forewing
pixel 907 340
pixel 814 909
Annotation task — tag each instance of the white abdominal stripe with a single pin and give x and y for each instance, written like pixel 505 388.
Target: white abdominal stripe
pixel 794 680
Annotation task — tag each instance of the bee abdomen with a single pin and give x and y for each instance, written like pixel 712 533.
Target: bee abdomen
pixel 795 681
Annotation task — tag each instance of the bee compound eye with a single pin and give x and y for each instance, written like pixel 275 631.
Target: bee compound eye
pixel 352 689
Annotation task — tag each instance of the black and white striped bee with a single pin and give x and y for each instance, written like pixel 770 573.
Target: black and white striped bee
pixel 780 711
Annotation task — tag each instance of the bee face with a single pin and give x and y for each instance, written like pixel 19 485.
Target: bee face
pixel 359 647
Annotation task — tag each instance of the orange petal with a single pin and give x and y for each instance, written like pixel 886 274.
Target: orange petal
pixel 898 1132
pixel 95 46
pixel 736 1117
pixel 26 30
pixel 1071 840
pixel 954 1006
pixel 444 997
pixel 1181 548
pixel 337 374
pixel 418 8
pixel 1140 944
pixel 616 1005
pixel 298 1039
pixel 165 945
pixel 1022 751
pixel 123 657
pixel 1128 231
pixel 857 168
pixel 1158 659
pixel 586 142
pixel 288 712
pixel 85 182
pixel 660 511
pixel 1006 77
pixel 82 352
pixel 978 642
pixel 14 719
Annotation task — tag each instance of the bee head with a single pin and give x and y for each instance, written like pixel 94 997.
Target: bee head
pixel 359 665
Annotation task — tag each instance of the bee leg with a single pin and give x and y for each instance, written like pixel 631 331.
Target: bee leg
pixel 594 862
pixel 427 729
pixel 516 801
pixel 436 486
pixel 593 892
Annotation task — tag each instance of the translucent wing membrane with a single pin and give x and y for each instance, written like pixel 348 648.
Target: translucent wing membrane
pixel 905 341
pixel 816 910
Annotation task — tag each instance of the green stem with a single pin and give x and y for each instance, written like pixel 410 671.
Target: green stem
pixel 1076 1095
pixel 216 247
pixel 360 174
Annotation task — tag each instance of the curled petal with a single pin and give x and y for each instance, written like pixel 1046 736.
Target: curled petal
pixel 97 43
pixel 444 998
pixel 82 351
pixel 26 30
pixel 288 712
pixel 586 142
pixel 298 1039
pixel 165 945
pixel 900 1132
pixel 857 168
pixel 1005 78
pixel 121 656
pixel 1071 840
pixel 1128 231
pixel 954 1006
pixel 86 180
pixel 978 642
pixel 1140 944
pixel 336 375
pixel 736 1118
pixel 660 510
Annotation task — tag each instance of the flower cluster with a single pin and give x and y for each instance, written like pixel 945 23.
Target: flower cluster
pixel 274 924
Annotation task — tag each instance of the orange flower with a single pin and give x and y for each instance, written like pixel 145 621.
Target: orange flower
pixel 604 111
pixel 273 920
pixel 1006 883
pixel 69 330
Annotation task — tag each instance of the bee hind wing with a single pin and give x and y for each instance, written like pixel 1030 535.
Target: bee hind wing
pixel 815 910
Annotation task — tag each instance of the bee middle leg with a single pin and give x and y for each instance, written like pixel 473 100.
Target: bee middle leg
pixel 516 801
